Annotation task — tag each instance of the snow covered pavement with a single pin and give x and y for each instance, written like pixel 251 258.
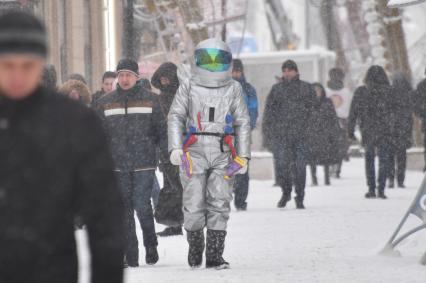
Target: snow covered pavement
pixel 336 239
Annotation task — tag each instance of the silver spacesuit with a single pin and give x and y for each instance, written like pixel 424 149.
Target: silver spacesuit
pixel 205 101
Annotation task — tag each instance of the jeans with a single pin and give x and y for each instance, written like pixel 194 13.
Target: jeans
pixel 290 159
pixel 136 189
pixel 398 159
pixel 241 188
pixel 370 169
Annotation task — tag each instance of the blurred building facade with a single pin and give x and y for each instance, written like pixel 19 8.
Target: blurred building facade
pixel 76 35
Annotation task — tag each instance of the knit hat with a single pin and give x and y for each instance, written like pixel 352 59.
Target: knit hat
pixel 22 33
pixel 237 65
pixel 128 65
pixel 289 64
pixel 336 74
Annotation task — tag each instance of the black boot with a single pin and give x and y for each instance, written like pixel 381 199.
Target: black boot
pixel 370 194
pixel 382 195
pixel 391 184
pixel 196 247
pixel 171 231
pixel 299 203
pixel 283 201
pixel 151 256
pixel 214 251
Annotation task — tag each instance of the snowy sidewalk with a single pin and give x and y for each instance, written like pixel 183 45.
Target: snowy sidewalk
pixel 336 239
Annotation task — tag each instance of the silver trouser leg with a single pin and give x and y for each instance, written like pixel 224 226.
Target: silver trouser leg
pixel 219 191
pixel 194 192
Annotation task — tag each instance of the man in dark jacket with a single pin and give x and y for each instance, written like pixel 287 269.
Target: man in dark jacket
pixel 136 128
pixel 373 107
pixel 169 208
pixel 55 163
pixel 241 185
pixel 108 80
pixel 287 111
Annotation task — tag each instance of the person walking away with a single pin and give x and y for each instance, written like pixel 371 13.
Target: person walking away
pixel 402 130
pixel 169 209
pixel 373 108
pixel 55 163
pixel 341 97
pixel 207 115
pixel 288 108
pixel 136 128
pixel 322 135
pixel 419 104
pixel 241 187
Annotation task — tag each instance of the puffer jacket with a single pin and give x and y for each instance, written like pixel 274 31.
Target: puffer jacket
pixel 136 127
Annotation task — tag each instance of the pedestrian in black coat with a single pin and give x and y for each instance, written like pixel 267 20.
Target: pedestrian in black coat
pixel 419 105
pixel 322 135
pixel 287 111
pixel 169 208
pixel 373 107
pixel 402 133
pixel 55 163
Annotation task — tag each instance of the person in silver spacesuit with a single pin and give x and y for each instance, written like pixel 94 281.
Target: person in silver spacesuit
pixel 208 116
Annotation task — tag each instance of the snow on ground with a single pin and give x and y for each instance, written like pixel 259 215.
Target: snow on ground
pixel 336 239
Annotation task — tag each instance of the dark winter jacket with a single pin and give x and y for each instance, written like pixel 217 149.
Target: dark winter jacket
pixel 136 127
pixel 373 106
pixel 403 126
pixel 55 162
pixel 419 103
pixel 323 134
pixel 250 98
pixel 169 208
pixel 287 111
pixel 95 98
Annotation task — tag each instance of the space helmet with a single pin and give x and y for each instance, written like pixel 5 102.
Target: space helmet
pixel 212 63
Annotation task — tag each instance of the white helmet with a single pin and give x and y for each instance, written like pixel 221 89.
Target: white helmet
pixel 212 63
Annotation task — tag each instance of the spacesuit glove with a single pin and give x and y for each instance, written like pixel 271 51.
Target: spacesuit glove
pixel 176 157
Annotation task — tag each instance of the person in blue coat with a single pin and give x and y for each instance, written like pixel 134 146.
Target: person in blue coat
pixel 241 186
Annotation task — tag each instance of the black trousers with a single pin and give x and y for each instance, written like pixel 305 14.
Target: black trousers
pixel 326 174
pixel 291 164
pixel 398 164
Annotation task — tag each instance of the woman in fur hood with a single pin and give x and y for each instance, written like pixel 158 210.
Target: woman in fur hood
pixel 76 90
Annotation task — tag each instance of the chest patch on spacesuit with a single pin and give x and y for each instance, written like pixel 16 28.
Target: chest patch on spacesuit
pixel 211 114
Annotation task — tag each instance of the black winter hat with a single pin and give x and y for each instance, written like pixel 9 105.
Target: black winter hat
pixel 237 65
pixel 128 65
pixel 336 74
pixel 291 65
pixel 22 33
